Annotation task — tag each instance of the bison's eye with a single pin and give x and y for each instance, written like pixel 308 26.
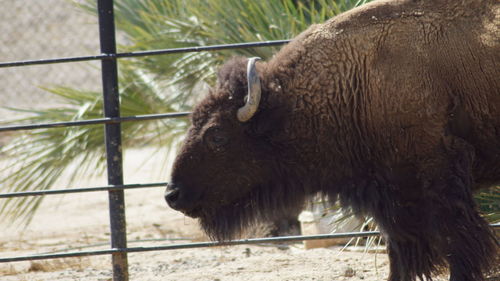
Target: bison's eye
pixel 215 138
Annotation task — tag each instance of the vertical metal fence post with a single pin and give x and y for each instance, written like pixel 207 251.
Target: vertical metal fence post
pixel 113 138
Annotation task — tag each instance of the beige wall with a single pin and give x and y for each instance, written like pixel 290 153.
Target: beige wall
pixel 35 29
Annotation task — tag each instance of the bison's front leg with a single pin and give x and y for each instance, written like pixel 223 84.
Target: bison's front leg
pixel 413 242
pixel 409 259
pixel 470 243
pixel 396 201
pixel 436 223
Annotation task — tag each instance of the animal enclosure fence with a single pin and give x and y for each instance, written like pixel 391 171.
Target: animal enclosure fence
pixel 111 121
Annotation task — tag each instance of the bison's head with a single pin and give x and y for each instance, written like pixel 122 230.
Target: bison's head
pixel 229 171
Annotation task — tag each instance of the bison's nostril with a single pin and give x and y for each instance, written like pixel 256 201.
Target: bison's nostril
pixel 171 196
pixel 181 199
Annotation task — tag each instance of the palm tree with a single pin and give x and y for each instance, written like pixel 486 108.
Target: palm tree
pixel 154 84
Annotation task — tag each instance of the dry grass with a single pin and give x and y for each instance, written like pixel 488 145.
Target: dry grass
pixel 59 264
pixel 45 266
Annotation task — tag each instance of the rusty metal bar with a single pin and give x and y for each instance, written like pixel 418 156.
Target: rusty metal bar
pixel 146 53
pixel 111 120
pixel 200 245
pixel 193 245
pixel 114 158
pixel 81 190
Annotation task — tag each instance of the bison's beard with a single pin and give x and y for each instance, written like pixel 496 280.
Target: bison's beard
pixel 267 203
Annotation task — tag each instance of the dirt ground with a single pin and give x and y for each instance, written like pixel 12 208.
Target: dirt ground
pixel 77 221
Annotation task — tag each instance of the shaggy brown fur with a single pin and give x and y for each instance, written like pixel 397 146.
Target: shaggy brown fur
pixel 393 107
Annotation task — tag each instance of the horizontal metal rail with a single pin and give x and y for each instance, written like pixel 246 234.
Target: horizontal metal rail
pixel 148 240
pixel 81 190
pixel 145 53
pixel 112 120
pixel 192 245
pixel 198 245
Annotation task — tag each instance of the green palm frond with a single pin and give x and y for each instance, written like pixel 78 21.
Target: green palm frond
pixel 177 23
pixel 489 203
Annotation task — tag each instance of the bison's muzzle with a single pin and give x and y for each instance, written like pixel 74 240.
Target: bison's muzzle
pixel 178 199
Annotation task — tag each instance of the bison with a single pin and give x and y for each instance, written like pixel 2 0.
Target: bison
pixel 393 108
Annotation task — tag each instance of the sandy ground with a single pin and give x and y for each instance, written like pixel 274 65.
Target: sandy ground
pixel 77 221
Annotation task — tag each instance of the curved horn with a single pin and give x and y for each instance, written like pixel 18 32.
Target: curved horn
pixel 253 97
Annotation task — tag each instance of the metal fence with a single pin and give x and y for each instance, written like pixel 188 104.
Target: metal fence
pixel 111 122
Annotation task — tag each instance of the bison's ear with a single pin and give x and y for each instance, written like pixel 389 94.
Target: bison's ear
pixel 269 122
